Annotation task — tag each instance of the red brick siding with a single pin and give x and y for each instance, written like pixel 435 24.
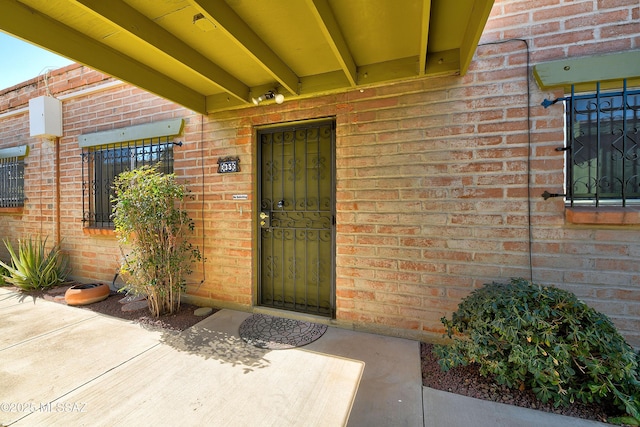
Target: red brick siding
pixel 432 180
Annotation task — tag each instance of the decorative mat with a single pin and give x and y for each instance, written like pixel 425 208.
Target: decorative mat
pixel 276 333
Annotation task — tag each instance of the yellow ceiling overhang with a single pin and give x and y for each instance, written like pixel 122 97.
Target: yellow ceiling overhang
pixel 211 55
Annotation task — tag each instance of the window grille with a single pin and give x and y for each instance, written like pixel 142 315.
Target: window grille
pixel 603 147
pixel 11 182
pixel 101 164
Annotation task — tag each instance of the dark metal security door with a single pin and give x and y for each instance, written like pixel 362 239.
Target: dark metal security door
pixel 296 219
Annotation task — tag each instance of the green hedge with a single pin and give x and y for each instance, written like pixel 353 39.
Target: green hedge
pixel 544 339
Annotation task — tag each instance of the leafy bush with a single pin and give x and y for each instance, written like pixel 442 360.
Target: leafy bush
pixel 151 219
pixel 544 339
pixel 32 267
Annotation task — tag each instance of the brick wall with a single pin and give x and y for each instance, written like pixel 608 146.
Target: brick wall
pixel 95 255
pixel 438 180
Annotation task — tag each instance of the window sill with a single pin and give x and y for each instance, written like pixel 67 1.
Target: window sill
pixel 99 231
pixel 16 210
pixel 603 215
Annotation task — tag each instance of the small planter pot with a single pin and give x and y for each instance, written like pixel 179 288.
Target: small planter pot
pixel 86 294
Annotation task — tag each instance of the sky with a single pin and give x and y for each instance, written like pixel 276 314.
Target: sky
pixel 22 61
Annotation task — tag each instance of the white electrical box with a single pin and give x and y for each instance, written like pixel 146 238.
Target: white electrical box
pixel 45 116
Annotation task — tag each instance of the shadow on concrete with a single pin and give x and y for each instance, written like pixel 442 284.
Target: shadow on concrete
pixel 205 342
pixel 20 296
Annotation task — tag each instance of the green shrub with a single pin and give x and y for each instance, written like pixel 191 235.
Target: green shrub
pixel 33 267
pixel 544 339
pixel 151 220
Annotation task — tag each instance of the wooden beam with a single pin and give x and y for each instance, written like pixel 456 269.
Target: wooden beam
pixel 424 35
pixel 331 30
pixel 221 102
pixel 477 21
pixel 227 21
pixel 588 69
pixel 397 69
pixel 36 28
pixel 135 23
pixel 445 63
pixel 324 83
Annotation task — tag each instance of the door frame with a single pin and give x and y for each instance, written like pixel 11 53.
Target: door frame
pixel 285 126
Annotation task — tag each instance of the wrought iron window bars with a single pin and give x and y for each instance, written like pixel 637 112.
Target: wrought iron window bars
pixel 100 166
pixel 11 182
pixel 602 147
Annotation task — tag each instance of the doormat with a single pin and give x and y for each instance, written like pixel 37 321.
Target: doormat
pixel 276 333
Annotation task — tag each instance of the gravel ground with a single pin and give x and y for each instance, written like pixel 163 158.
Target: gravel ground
pixel 466 380
pixel 179 321
pixel 112 306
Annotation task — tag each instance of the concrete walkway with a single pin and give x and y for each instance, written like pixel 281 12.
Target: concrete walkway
pixel 64 366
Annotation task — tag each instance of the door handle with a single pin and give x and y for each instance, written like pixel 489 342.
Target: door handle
pixel 265 220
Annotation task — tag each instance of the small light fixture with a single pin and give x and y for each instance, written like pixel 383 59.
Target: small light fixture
pixel 278 97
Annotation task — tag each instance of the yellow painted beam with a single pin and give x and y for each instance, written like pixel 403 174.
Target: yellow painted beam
pixel 585 71
pixel 29 25
pixel 324 83
pixel 222 102
pixel 388 71
pixel 133 22
pixel 473 32
pixel 331 30
pixel 445 63
pixel 225 18
pixel 424 35
pixel 310 86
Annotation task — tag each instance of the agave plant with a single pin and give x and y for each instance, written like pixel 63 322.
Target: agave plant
pixel 3 272
pixel 32 267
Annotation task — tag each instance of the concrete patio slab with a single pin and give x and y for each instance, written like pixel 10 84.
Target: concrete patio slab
pixel 211 377
pixel 452 410
pixel 45 367
pixel 9 297
pixel 105 371
pixel 64 366
pixel 390 392
pixel 19 324
pixel 391 385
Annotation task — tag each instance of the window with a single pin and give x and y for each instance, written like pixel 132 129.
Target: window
pixel 603 148
pixel 108 153
pixel 12 177
pixel 103 163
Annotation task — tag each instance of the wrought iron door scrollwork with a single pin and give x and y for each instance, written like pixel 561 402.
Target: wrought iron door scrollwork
pixel 296 190
pixel 292 219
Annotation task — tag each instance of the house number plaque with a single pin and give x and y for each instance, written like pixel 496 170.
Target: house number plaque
pixel 228 165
